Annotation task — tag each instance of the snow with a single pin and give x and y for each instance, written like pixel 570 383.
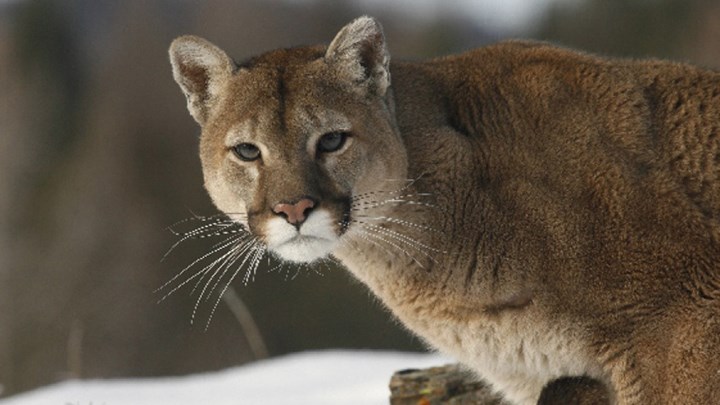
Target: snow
pixel 328 377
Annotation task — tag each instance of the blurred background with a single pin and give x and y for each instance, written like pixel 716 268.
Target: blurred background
pixel 98 157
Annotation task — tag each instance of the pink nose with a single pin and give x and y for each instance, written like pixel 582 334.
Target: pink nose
pixel 295 213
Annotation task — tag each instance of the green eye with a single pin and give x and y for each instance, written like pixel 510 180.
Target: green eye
pixel 332 141
pixel 247 152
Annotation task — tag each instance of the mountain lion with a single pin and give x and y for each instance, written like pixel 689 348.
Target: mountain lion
pixel 549 218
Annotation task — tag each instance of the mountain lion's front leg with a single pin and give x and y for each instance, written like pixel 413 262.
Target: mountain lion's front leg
pixel 575 390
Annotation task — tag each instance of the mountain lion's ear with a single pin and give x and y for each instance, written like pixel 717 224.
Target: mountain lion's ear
pixel 359 51
pixel 201 69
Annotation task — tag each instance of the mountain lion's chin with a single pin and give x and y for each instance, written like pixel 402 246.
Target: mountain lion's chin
pixel 315 239
pixel 304 249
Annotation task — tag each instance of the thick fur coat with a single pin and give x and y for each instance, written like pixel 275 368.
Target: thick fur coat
pixel 536 212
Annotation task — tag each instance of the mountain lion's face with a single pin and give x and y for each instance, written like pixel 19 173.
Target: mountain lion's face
pixel 291 138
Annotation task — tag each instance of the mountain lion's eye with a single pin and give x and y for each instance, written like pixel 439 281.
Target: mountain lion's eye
pixel 332 141
pixel 247 152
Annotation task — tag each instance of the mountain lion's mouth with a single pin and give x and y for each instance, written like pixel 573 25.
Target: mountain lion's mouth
pixel 304 248
pixel 305 240
pixel 314 240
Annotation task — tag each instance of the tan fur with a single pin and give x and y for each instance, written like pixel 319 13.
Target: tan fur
pixel 536 212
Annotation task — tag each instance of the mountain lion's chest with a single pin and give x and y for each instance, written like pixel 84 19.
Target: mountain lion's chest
pixel 514 351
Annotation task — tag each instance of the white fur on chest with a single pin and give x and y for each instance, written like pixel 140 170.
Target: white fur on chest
pixel 518 351
pixel 514 352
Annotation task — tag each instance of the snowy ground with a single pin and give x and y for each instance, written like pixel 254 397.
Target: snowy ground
pixel 331 377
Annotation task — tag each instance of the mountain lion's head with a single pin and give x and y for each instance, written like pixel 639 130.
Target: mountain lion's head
pixel 291 138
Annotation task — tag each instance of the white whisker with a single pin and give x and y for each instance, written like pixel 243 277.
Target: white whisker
pixel 231 257
pixel 219 262
pixel 419 246
pixel 396 221
pixel 224 244
pixel 218 227
pixel 259 251
pixel 376 239
pixel 239 251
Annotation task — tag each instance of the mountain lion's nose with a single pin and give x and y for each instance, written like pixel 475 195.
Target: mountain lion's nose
pixel 295 213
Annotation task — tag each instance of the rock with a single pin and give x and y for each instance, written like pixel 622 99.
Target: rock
pixel 446 385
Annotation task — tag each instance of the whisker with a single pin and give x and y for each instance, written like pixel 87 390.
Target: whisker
pixel 240 250
pixel 388 194
pixel 179 286
pixel 277 268
pixel 230 280
pixel 231 260
pixel 197 218
pixel 410 183
pixel 222 245
pixel 421 247
pixel 397 221
pixel 399 201
pixel 297 271
pixel 254 264
pixel 206 223
pixel 385 240
pixel 373 196
pixel 376 239
pixel 206 231
pixel 316 270
pixel 400 189
pixel 259 251
pixel 228 258
pixel 220 262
